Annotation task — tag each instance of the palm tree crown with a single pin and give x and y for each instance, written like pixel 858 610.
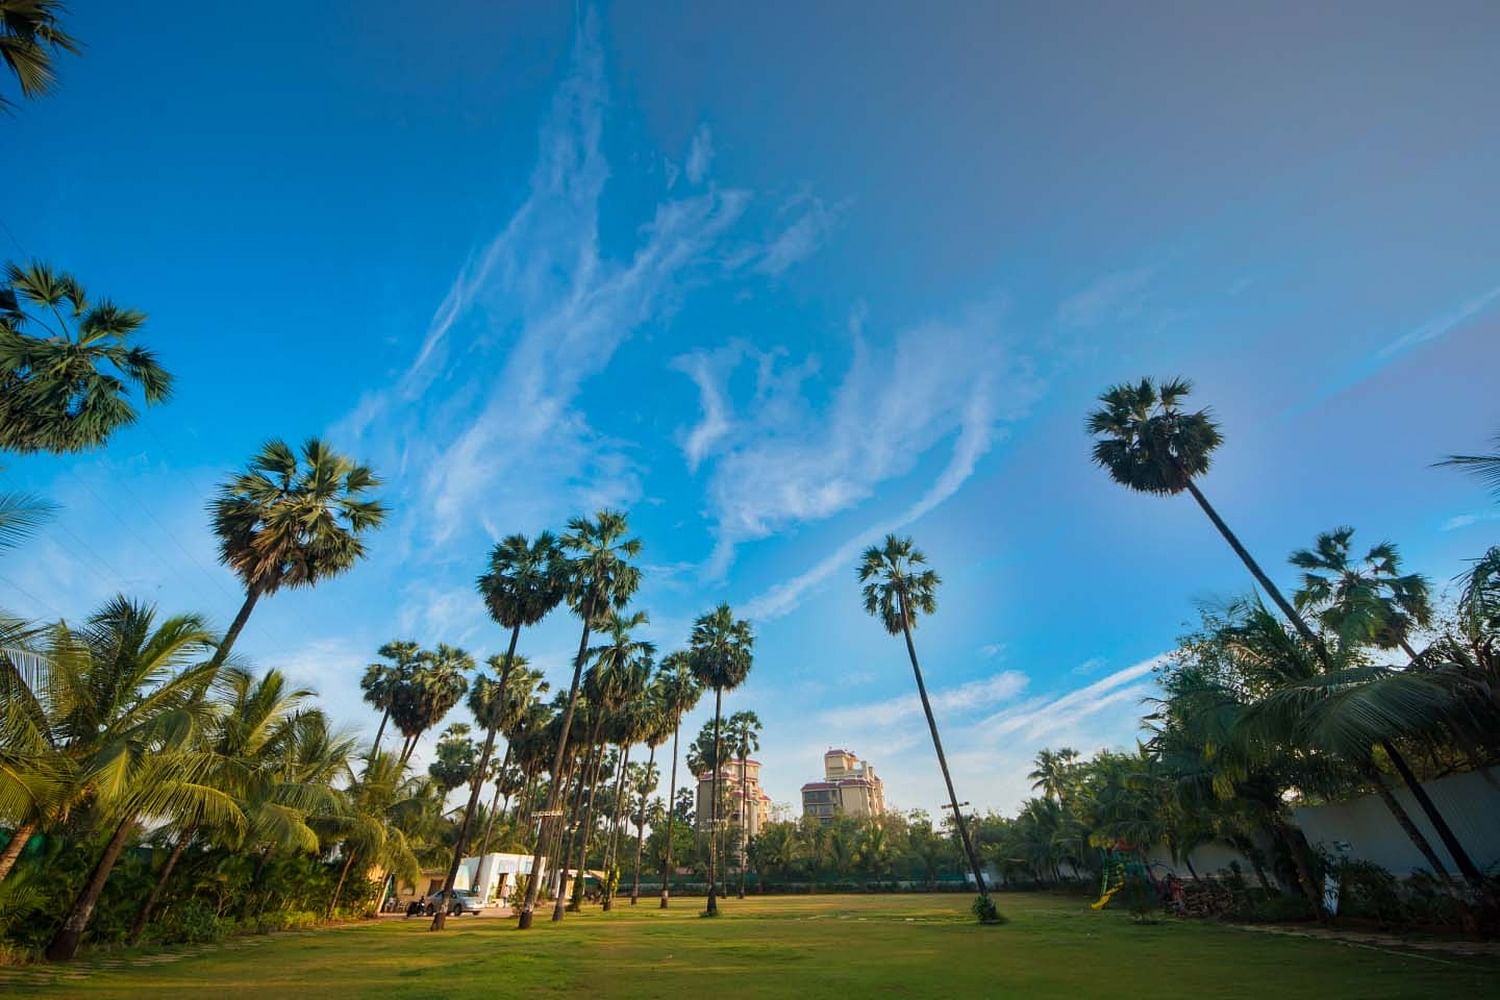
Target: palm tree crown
pixel 68 387
pixel 1146 441
pixel 29 36
pixel 525 580
pixel 599 576
pixel 898 586
pixel 721 649
pixel 1362 601
pixel 286 522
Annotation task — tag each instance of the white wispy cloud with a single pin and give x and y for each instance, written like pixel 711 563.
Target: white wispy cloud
pixel 970 697
pixel 801 238
pixel 941 381
pixel 1036 719
pixel 991 649
pixel 700 155
pixel 1465 520
pixel 1440 325
pixel 1115 297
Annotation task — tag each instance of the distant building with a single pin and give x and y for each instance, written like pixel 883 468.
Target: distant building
pixel 757 805
pixel 850 787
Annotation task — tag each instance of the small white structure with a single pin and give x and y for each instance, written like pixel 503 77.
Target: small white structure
pixel 493 876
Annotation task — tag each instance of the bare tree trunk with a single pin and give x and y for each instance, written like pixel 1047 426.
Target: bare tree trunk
pixel 489 826
pixel 333 902
pixel 65 942
pixel 713 823
pixel 744 824
pixel 227 642
pixel 640 829
pixel 666 864
pixel 610 850
pixel 529 906
pixel 440 918
pixel 143 915
pixel 380 733
pixel 19 838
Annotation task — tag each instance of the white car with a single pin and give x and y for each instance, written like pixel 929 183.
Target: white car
pixel 464 901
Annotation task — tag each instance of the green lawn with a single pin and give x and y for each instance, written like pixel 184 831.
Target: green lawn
pixel 846 946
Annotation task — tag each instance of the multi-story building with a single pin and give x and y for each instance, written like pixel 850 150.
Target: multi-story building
pixel 850 787
pixel 732 783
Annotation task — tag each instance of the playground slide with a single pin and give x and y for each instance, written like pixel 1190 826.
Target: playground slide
pixel 1103 900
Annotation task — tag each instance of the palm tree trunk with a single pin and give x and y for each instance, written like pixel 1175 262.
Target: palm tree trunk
pixel 65 942
pixel 583 834
pixel 528 908
pixel 713 823
pixel 666 864
pixel 611 850
pixel 489 825
pixel 409 748
pixel 567 834
pixel 1403 820
pixel 744 829
pixel 640 829
pixel 227 642
pixel 937 744
pixel 333 901
pixel 1255 571
pixel 143 915
pixel 380 733
pixel 1445 833
pixel 19 838
pixel 440 918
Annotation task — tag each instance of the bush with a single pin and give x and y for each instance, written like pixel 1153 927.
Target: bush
pixel 985 912
pixel 193 922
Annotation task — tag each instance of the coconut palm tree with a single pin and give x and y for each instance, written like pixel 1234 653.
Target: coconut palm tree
pixel 36 774
pixel 1053 772
pixel 743 735
pixel 20 515
pixel 385 809
pixel 1364 602
pixel 680 692
pixel 382 682
pixel 67 367
pixel 599 577
pixel 245 742
pixel 1485 467
pixel 898 587
pixel 30 35
pixel 124 700
pixel 720 653
pixel 286 522
pixel 1148 443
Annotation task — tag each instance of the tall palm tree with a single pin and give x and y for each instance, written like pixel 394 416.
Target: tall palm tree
pixel 286 522
pixel 1368 601
pixel 126 698
pixel 382 682
pixel 743 732
pixel 720 653
pixel 1148 443
pixel 633 723
pixel 600 577
pixel 31 34
pixel 524 582
pixel 655 725
pixel 680 692
pixel 898 587
pixel 68 386
pixel 437 683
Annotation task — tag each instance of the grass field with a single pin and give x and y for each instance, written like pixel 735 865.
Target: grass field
pixel 846 946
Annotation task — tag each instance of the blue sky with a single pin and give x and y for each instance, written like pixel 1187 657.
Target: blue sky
pixel 777 281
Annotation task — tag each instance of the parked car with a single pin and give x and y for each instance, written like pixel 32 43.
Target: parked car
pixel 464 901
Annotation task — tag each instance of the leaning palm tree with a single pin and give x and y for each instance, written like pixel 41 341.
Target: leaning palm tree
pixel 1363 602
pixel 680 692
pixel 67 366
pixel 600 577
pixel 524 582
pixel 898 587
pixel 30 35
pixel 1147 442
pixel 437 683
pixel 743 732
pixel 382 682
pixel 720 652
pixel 286 522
